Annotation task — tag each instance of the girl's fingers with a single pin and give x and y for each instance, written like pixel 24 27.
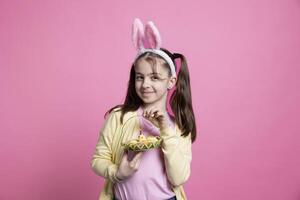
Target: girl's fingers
pixel 154 110
pixel 137 158
pixel 158 114
pixel 154 115
pixel 125 156
pixel 138 162
pixel 148 112
pixel 145 114
pixel 151 112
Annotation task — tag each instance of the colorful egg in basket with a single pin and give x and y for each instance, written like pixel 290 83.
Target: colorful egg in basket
pixel 143 143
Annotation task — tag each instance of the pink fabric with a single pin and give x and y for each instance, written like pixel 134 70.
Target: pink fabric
pixel 148 37
pixel 138 34
pixel 150 181
pixel 152 36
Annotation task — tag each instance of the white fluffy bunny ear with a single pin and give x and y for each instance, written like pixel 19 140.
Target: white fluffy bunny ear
pixel 152 38
pixel 138 34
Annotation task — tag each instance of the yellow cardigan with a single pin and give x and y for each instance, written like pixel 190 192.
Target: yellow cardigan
pixel 176 149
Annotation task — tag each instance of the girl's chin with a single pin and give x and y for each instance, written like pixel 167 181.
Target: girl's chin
pixel 147 99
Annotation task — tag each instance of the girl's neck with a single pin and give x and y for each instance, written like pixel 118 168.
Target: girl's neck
pixel 162 108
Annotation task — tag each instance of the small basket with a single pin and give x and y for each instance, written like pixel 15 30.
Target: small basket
pixel 142 142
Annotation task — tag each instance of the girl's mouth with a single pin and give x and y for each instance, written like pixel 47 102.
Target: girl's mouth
pixel 147 93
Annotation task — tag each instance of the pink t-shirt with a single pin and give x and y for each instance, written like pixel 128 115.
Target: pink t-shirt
pixel 150 181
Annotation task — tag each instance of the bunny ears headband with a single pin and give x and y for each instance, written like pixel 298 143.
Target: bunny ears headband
pixel 149 40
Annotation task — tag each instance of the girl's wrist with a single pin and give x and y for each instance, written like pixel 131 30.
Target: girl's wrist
pixel 162 128
pixel 165 126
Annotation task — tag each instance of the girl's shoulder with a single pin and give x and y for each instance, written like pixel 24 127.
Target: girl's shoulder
pixel 113 113
pixel 116 110
pixel 117 113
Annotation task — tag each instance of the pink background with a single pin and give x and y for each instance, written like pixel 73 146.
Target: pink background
pixel 64 63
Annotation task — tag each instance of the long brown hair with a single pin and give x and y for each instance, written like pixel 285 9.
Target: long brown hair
pixel 180 101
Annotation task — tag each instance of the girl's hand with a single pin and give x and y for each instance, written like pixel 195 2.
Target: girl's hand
pixel 127 168
pixel 157 117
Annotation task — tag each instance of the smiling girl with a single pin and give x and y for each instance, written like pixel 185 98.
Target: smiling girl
pixel 158 173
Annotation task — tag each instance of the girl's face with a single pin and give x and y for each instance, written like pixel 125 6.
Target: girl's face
pixel 152 86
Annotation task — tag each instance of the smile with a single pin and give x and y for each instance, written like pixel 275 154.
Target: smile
pixel 146 93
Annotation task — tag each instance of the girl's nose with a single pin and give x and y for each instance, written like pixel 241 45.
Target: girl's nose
pixel 146 83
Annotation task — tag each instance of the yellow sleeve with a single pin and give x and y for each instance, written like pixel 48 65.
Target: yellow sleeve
pixel 177 152
pixel 101 162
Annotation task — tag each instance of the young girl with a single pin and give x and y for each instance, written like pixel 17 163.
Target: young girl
pixel 159 173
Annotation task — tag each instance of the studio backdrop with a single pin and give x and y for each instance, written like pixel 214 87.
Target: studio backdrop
pixel 63 64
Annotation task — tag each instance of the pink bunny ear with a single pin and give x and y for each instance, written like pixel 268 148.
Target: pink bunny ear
pixel 138 34
pixel 152 38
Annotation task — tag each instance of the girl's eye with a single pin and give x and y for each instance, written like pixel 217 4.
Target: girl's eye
pixel 155 78
pixel 138 78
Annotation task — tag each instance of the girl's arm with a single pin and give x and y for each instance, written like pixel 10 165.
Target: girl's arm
pixel 101 162
pixel 177 152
